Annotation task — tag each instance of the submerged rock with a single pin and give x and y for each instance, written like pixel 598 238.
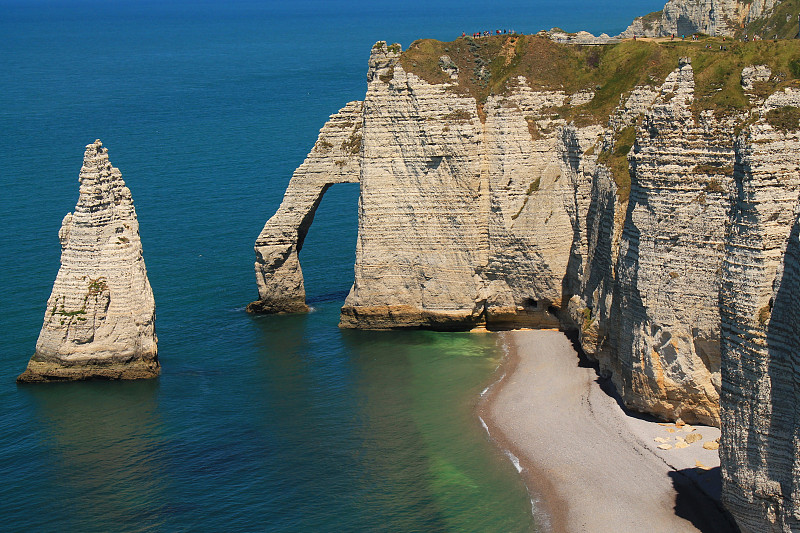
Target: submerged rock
pixel 100 318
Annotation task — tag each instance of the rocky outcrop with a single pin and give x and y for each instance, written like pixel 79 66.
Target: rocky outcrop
pixel 334 159
pixel 528 209
pixel 712 17
pixel 760 445
pixel 100 318
pixel 667 354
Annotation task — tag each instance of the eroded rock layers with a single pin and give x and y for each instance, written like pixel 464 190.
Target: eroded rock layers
pixel 760 295
pixel 658 232
pixel 507 214
pixel 100 317
pixel 334 159
pixel 711 17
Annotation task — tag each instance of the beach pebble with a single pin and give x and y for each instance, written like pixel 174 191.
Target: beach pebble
pixel 693 437
pixel 701 466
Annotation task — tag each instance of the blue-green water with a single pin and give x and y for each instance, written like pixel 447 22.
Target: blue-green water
pixel 257 423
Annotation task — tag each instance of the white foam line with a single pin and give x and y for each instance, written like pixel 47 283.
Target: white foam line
pixel 514 460
pixel 484 425
pixel 490 386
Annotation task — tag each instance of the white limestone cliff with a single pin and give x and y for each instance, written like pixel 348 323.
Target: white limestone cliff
pixel 100 317
pixel 504 215
pixel 760 295
pixel 682 285
pixel 711 17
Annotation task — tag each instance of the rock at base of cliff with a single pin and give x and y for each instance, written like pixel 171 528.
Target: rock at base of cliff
pixel 405 317
pixel 47 371
pixel 277 306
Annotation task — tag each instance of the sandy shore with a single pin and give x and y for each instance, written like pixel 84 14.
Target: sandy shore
pixel 588 464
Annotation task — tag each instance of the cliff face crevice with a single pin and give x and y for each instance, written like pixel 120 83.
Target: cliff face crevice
pixel 100 317
pixel 758 302
pixel 711 17
pixel 512 214
pixel 670 256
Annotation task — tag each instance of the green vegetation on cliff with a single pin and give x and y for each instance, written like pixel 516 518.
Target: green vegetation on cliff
pixel 781 21
pixel 491 66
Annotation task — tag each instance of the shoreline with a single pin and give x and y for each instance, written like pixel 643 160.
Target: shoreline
pixel 588 464
pixel 547 506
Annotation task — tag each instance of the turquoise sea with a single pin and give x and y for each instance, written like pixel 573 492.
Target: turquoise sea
pixel 280 423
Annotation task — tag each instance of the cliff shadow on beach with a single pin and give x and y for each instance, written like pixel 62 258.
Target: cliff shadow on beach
pixel 698 499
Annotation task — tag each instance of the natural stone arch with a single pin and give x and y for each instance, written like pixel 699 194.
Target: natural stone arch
pixel 334 159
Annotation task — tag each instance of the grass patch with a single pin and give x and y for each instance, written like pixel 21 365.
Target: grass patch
pixel 616 161
pixel 324 146
pixel 534 186
pixel 387 76
pixel 651 18
pixel 782 21
pixel 458 114
pixel 491 65
pixel 784 118
pixel 713 168
pixel 353 144
pixel 716 186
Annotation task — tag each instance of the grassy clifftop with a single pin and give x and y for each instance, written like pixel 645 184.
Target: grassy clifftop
pixel 491 65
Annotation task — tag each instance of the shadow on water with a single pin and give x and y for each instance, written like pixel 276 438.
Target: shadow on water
pixel 101 445
pixel 693 504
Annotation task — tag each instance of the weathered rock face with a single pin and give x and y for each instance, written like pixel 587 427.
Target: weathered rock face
pixel 760 295
pixel 667 353
pixel 334 159
pixel 100 318
pixel 421 192
pixel 712 17
pixel 507 214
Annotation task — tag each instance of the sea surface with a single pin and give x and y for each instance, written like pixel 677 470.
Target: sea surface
pixel 281 423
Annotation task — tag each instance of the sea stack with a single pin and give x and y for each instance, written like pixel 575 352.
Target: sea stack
pixel 100 318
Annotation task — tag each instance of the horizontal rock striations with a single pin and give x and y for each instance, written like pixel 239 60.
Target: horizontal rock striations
pixel 100 318
pixel 334 159
pixel 667 357
pixel 760 293
pixel 498 191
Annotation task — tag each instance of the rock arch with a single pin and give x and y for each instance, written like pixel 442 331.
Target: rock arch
pixel 334 159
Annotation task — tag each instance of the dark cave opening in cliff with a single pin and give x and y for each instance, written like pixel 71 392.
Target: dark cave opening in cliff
pixel 329 249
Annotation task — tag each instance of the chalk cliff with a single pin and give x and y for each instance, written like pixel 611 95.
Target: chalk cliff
pixel 760 294
pixel 711 17
pixel 497 191
pixel 334 159
pixel 643 196
pixel 100 317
